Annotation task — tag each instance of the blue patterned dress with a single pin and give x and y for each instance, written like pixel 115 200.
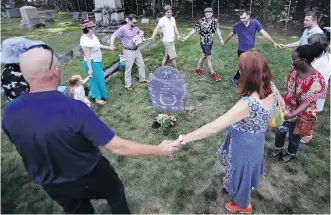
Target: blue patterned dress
pixel 242 152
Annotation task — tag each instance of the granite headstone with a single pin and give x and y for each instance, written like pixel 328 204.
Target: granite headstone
pixel 13 12
pixel 144 21
pixel 84 15
pixel 48 17
pixel 167 89
pixel 75 16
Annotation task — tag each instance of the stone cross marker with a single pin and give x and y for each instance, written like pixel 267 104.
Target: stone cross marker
pixel 30 17
pixel 75 16
pixel 167 89
pixel 84 15
pixel 48 16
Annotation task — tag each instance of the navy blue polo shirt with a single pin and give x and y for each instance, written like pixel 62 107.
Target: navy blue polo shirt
pixel 56 136
pixel 246 35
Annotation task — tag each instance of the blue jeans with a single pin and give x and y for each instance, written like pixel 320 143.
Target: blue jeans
pixel 293 140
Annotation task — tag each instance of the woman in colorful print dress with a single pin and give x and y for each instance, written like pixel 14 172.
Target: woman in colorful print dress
pixel 305 85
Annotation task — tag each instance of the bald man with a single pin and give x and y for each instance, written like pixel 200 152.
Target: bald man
pixel 58 139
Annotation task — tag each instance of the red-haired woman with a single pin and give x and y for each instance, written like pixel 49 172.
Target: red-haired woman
pixel 243 148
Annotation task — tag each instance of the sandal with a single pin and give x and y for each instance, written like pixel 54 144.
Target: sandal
pixel 129 88
pixel 306 139
pixel 100 102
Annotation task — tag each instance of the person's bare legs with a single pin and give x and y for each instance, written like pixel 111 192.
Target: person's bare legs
pixel 174 63
pixel 210 64
pixel 201 61
pixel 164 61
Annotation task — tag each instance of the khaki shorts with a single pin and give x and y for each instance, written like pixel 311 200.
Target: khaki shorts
pixel 169 48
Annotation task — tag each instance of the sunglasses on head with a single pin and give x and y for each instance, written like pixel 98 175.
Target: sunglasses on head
pixel 44 46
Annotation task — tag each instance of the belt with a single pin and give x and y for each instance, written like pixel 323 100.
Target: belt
pixel 135 49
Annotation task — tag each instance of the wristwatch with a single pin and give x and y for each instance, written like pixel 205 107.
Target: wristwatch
pixel 181 140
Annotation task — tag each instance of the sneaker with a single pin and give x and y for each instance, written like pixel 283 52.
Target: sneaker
pixel 276 152
pixel 198 71
pixel 235 82
pixel 215 76
pixel 144 82
pixel 288 157
pixel 234 208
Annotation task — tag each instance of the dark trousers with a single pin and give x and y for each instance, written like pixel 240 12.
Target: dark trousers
pixel 237 75
pixel 293 140
pixel 101 183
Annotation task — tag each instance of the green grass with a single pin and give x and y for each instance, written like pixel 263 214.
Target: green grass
pixel 189 181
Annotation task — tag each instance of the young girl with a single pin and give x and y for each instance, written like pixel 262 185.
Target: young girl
pixel 76 84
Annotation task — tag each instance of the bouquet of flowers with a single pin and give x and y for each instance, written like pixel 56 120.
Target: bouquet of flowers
pixel 165 120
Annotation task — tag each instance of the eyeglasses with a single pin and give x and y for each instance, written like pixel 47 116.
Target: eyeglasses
pixel 134 22
pixel 292 61
pixel 44 46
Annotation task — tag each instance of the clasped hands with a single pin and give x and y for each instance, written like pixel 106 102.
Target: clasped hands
pixel 168 147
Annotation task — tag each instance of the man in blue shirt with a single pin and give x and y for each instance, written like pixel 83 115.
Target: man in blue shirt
pixel 246 30
pixel 58 139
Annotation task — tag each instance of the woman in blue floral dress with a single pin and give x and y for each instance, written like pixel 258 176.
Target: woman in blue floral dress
pixel 243 148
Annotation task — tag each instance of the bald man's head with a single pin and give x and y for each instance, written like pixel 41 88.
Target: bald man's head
pixel 35 65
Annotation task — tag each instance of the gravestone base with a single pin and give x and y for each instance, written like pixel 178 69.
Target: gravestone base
pixel 39 25
pixel 111 28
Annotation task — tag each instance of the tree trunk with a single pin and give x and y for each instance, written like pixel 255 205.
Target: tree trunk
pixel 85 5
pixel 192 8
pixel 137 7
pixel 299 9
pixel 265 7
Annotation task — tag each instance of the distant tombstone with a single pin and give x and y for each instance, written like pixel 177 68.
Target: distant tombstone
pixel 13 12
pixel 144 21
pixel 64 57
pixel 84 15
pixel 167 89
pixel 48 16
pixel 30 17
pixel 75 16
pixel 78 51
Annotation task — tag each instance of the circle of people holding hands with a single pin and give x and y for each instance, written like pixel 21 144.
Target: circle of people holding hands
pixel 59 138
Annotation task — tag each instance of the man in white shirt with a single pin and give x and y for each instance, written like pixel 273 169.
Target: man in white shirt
pixel 169 28
pixel 311 27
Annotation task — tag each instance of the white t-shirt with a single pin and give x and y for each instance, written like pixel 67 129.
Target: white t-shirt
pixel 168 28
pixel 94 44
pixel 322 65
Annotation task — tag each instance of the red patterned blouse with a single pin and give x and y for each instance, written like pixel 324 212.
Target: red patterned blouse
pixel 309 89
